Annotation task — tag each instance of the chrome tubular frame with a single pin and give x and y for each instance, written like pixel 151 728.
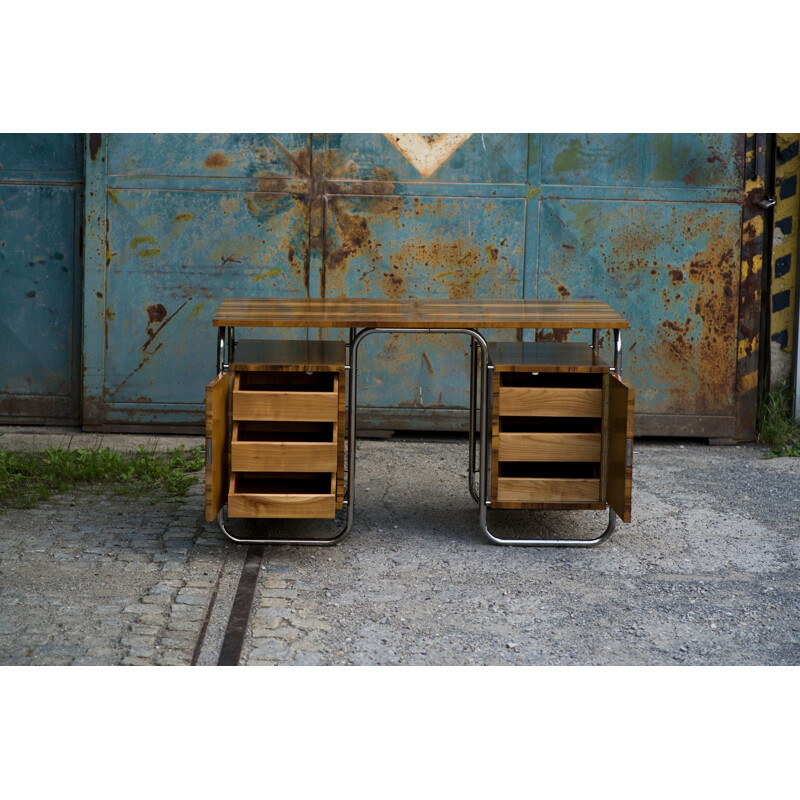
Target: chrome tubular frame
pixel 320 542
pixel 478 417
pixel 612 516
pixel 472 470
pixel 481 343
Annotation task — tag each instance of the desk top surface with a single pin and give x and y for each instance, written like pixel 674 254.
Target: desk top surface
pixel 273 312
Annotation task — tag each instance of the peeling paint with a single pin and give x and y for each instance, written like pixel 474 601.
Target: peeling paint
pixel 268 274
pixel 427 156
pixel 196 310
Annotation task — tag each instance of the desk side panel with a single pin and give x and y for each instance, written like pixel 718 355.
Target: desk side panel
pixel 620 447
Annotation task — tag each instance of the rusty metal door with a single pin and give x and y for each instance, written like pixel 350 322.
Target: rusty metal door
pixel 41 212
pixel 176 222
pixel 657 225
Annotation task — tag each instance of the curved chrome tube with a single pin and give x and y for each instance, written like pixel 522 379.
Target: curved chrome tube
pixel 476 338
pixel 320 542
pixel 612 524
pixel 473 372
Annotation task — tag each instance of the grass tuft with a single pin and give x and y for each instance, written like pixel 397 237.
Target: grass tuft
pixel 776 427
pixel 28 478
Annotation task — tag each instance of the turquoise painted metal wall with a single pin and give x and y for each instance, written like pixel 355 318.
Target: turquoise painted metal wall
pixel 651 223
pixel 41 212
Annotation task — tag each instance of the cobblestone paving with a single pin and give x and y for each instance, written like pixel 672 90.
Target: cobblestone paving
pixel 94 580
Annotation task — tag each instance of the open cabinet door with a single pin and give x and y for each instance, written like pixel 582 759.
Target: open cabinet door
pixel 620 446
pixel 216 445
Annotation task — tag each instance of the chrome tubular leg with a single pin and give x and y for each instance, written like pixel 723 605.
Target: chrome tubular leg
pixel 221 332
pixel 617 352
pixel 612 523
pixel 473 389
pixel 276 540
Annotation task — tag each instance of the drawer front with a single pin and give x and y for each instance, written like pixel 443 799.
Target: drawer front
pixel 548 490
pixel 283 457
pixel 267 506
pixel 550 402
pixel 549 447
pixel 286 406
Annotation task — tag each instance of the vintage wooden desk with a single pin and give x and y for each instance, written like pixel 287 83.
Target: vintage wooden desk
pixel 552 423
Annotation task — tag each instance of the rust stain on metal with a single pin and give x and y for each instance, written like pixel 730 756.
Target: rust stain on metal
pixel 558 335
pixel 95 140
pixel 698 317
pixel 156 312
pixel 216 160
pixel 674 326
pixel 707 338
pixel 341 176
pixel 301 161
pixel 393 284
pixel 562 290
pixel 428 365
pixel 294 194
pixel 354 233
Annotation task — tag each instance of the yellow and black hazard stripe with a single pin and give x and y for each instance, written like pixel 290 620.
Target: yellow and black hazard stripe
pixel 784 242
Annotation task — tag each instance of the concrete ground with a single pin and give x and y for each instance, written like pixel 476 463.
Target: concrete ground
pixel 705 574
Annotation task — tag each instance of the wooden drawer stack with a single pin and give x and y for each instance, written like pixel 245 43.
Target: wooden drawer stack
pixel 287 435
pixel 548 426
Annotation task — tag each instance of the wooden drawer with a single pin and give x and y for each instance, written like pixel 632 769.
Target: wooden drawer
pixel 284 446
pixel 282 495
pixel 285 406
pixel 548 490
pixel 549 447
pixel 283 457
pixel 535 401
